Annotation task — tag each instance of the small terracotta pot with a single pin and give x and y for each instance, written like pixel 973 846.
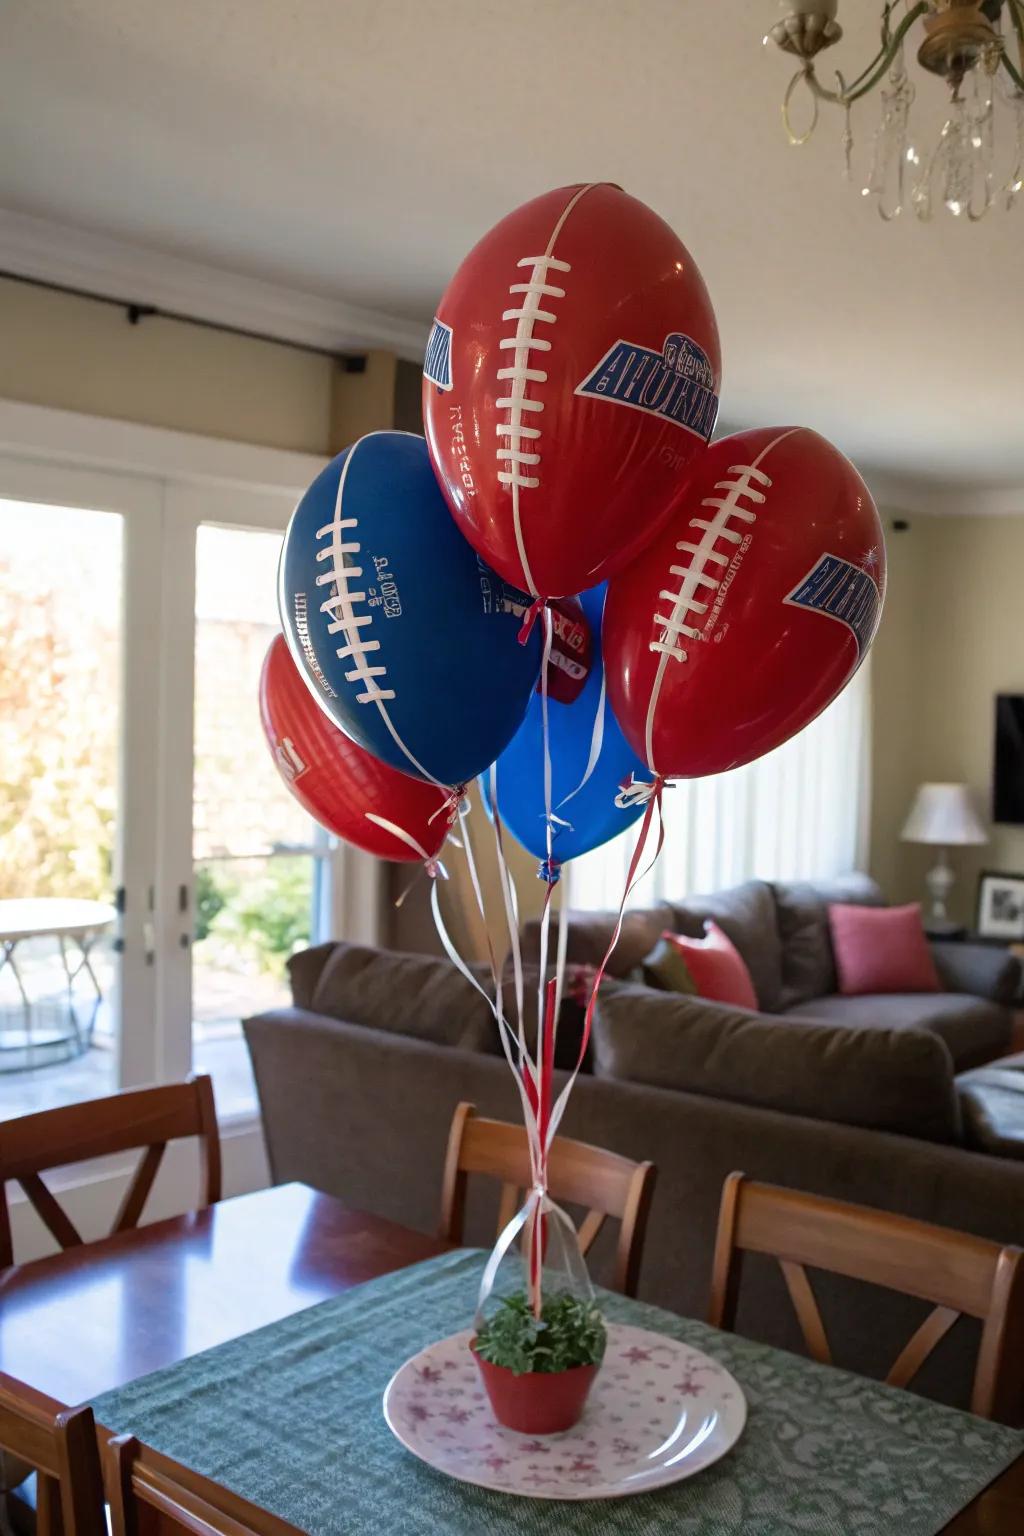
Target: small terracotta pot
pixel 537 1402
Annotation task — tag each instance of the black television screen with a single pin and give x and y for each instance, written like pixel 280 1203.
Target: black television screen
pixel 1008 778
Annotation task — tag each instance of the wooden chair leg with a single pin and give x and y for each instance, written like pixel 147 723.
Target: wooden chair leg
pixel 82 1503
pixel 726 1265
pixel 49 1518
pixel 118 1460
pixel 453 1191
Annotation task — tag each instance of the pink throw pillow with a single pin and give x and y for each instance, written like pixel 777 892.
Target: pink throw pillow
pixel 716 966
pixel 881 949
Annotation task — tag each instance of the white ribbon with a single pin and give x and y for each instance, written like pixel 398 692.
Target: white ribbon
pixel 597 730
pixel 558 1109
pixel 545 921
pixel 539 1205
pixel 511 905
pixel 636 792
pixel 399 832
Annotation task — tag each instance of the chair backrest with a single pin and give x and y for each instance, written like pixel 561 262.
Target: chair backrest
pixel 578 1174
pixel 151 1495
pixel 142 1118
pixel 62 1450
pixel 960 1274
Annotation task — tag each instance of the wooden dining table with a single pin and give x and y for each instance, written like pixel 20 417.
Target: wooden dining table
pixel 94 1318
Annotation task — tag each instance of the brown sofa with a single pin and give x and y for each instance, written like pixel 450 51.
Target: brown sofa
pixel 782 932
pixel 359 1080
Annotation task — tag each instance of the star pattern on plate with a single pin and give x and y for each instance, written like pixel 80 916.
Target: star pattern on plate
pixel 651 1395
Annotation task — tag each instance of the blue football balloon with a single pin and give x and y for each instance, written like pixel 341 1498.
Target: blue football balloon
pixel 583 818
pixel 405 637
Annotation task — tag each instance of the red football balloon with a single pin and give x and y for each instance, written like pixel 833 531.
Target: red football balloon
pixel 751 609
pixel 571 375
pixel 342 786
pixel 572 651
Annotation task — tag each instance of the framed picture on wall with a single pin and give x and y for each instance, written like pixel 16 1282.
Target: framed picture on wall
pixel 1000 906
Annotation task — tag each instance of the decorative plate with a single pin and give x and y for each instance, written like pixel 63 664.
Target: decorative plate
pixel 659 1411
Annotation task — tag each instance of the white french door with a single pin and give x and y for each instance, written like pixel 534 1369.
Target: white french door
pixel 157 589
pixel 250 875
pixel 79 560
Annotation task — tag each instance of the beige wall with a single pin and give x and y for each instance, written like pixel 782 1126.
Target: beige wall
pixel 896 707
pixel 81 355
pixel 952 638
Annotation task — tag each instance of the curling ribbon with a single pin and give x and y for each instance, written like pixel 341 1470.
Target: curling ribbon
pixel 632 879
pixel 432 866
pixel 596 734
pixel 508 893
pixel 496 1005
pixel 637 792
pixel 538 1204
pixel 529 619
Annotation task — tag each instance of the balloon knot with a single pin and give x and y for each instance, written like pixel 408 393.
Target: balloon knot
pixel 550 871
pixel 636 792
pixel 530 619
pixel 450 806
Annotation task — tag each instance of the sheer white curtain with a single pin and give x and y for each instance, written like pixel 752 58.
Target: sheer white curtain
pixel 799 813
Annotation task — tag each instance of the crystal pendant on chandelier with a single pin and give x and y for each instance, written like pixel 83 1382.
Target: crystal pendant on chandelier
pixel 960 169
pixel 891 152
pixel 963 42
pixel 1015 185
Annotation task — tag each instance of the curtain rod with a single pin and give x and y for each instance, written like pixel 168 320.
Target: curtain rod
pixel 353 362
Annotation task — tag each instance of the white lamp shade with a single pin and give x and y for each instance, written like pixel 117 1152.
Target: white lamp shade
pixel 943 814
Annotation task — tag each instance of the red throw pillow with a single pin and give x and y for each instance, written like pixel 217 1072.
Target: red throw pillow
pixel 716 966
pixel 881 949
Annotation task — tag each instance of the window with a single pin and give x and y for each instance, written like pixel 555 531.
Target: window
pixel 60 708
pixel 260 862
pixel 136 611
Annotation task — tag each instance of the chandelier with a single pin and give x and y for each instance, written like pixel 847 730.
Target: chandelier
pixel 971 44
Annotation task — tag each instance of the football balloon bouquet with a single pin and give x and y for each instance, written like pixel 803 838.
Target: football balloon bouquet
pixel 566 590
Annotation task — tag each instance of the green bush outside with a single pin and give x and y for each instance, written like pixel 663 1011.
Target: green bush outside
pixel 261 911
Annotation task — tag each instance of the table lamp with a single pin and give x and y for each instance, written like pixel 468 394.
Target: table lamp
pixel 942 815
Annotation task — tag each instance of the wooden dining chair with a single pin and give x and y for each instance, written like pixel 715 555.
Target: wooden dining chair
pixel 962 1275
pixel 62 1450
pixel 578 1174
pixel 146 1118
pixel 151 1495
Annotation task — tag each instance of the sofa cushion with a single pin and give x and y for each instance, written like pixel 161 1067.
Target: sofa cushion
pixel 665 970
pixel 590 933
pixel 418 995
pixel 716 968
pixel 886 1079
pixel 304 971
pixel 746 913
pixel 974 1030
pixel 992 1102
pixel 808 966
pixel 881 949
pixel 985 970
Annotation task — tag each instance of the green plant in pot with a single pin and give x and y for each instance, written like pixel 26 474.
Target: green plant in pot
pixel 538 1371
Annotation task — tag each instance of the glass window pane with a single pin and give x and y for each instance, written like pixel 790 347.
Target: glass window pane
pixel 241 808
pixel 60 702
pixel 255 897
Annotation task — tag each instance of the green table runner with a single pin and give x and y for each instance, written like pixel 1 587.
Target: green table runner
pixel 290 1417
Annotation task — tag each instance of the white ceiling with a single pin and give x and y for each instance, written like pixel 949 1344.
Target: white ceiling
pixel 357 148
